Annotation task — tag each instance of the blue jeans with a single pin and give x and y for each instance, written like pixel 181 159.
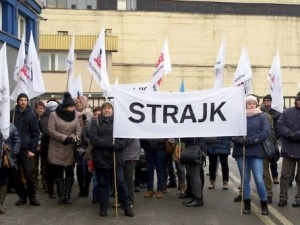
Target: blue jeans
pixel 155 159
pixel 105 177
pixel 256 165
pixel 96 192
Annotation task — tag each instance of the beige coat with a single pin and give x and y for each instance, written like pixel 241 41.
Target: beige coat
pixel 59 130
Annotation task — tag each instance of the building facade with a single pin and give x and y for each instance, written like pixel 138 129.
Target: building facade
pixel 18 17
pixel 194 30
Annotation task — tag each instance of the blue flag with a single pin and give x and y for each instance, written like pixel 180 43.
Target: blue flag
pixel 181 89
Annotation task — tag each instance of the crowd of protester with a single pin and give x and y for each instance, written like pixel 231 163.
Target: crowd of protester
pixel 43 140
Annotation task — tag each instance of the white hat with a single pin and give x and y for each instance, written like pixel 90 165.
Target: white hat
pixel 251 98
pixel 51 105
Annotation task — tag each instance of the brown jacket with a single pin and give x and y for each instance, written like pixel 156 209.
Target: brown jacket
pixel 59 130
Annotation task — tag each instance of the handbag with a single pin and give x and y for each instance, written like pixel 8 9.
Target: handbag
pixel 269 148
pixel 7 158
pixel 78 150
pixel 191 155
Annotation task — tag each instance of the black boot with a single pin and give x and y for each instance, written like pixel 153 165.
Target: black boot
pixel 247 206
pixel 68 188
pixel 80 179
pixel 2 198
pixel 196 203
pixel 60 190
pixel 264 208
pixel 22 201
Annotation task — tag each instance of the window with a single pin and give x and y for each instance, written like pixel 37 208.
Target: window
pixel 127 5
pixel 53 61
pixel 21 26
pixel 82 55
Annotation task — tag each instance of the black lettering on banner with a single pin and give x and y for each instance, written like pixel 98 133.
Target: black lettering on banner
pixel 170 114
pixel 134 110
pixel 217 111
pixel 204 113
pixel 188 113
pixel 153 113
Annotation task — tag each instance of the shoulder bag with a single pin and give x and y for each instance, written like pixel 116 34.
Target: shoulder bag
pixel 191 155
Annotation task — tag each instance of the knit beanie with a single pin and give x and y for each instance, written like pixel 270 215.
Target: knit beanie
pixel 51 105
pixel 250 98
pixel 67 100
pixel 267 97
pixel 298 96
pixel 107 103
pixel 22 95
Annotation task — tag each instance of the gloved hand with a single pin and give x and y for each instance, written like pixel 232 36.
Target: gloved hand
pixel 243 141
pixel 69 140
pixel 117 147
pixel 84 118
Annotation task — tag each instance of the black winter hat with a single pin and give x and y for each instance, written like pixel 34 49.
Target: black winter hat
pixel 22 95
pixel 298 96
pixel 267 97
pixel 67 100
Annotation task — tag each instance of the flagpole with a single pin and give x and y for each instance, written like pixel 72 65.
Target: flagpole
pixel 115 181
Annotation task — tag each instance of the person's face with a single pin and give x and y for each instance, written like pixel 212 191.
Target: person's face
pixel 251 105
pixel 267 103
pixel 107 111
pixel 23 102
pixel 70 108
pixel 96 114
pixel 39 110
pixel 78 105
pixel 298 103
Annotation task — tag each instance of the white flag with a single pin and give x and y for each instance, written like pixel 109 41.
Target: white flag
pixel 4 94
pixel 162 67
pixel 243 73
pixel 275 83
pixel 21 72
pixel 70 64
pixel 76 87
pixel 35 79
pixel 97 65
pixel 219 67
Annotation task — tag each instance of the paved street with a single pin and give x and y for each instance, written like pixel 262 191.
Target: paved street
pixel 218 208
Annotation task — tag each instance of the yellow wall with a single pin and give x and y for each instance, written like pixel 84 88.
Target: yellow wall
pixel 194 42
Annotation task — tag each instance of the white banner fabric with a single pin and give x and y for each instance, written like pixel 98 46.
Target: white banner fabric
pixel 209 113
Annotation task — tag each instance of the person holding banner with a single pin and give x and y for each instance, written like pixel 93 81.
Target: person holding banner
pixel 63 127
pixel 155 159
pixel 195 174
pixel 26 121
pixel 249 154
pixel 101 137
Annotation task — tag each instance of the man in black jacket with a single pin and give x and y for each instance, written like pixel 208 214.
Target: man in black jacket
pixel 288 127
pixel 27 124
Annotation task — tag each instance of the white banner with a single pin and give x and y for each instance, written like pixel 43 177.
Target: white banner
pixel 139 114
